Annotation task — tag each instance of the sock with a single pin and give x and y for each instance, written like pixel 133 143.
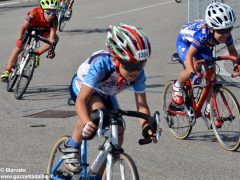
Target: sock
pixel 37 53
pixel 9 70
pixel 72 143
pixel 208 107
pixel 177 84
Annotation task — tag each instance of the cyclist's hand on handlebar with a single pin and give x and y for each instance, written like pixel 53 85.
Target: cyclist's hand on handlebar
pixel 148 133
pixel 236 70
pixel 88 129
pixel 51 54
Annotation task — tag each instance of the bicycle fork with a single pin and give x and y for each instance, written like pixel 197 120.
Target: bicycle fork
pixel 230 116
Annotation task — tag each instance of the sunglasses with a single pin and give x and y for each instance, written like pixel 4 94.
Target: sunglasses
pixel 50 13
pixel 224 31
pixel 130 67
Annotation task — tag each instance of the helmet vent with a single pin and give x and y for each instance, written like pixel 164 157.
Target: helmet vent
pixel 230 16
pixel 214 12
pixel 220 9
pixel 213 25
pixel 225 18
pixel 219 20
pixel 209 13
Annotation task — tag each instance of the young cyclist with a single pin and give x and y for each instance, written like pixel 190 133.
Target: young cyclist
pixel 70 4
pixel 44 19
pixel 102 76
pixel 196 41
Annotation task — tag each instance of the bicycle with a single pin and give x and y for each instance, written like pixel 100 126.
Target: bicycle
pixel 110 156
pixel 22 72
pixel 224 107
pixel 62 18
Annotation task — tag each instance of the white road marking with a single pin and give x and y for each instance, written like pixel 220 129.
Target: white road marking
pixel 133 10
pixel 14 2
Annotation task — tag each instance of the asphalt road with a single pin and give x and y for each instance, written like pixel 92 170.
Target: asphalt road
pixel 27 137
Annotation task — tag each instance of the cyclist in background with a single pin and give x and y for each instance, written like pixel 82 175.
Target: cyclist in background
pixel 102 76
pixel 70 5
pixel 44 19
pixel 196 41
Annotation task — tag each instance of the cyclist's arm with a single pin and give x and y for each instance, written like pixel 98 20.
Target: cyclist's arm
pixel 23 29
pixel 232 51
pixel 81 103
pixel 189 58
pixel 52 38
pixel 142 106
pixel 53 34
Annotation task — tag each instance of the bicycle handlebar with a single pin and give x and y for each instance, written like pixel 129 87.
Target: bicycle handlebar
pixel 153 120
pixel 38 37
pixel 210 62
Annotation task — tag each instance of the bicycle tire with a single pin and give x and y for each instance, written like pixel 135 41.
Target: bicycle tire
pixel 121 163
pixel 228 135
pixel 12 80
pixel 61 17
pixel 53 153
pixel 27 74
pixel 177 124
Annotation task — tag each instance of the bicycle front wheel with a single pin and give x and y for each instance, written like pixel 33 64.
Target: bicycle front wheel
pixel 54 159
pixel 177 124
pixel 123 168
pixel 12 80
pixel 25 77
pixel 228 135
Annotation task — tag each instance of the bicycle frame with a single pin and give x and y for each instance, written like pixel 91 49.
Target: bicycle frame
pixel 210 83
pixel 31 47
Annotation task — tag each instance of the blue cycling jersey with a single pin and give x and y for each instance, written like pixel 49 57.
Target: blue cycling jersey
pixel 99 73
pixel 198 35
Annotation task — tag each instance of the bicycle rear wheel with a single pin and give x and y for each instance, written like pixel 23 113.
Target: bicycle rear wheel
pixel 123 168
pixel 228 135
pixel 62 20
pixel 53 160
pixel 25 77
pixel 177 124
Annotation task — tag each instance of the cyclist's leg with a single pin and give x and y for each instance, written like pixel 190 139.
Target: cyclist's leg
pixel 72 146
pixel 70 9
pixel 206 53
pixel 11 61
pixel 182 48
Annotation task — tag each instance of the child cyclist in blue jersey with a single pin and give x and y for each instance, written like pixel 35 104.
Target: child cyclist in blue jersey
pixel 102 76
pixel 196 41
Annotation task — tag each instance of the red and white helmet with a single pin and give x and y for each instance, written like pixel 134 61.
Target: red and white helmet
pixel 126 42
pixel 220 16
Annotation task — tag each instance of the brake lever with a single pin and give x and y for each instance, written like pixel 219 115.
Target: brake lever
pixel 159 129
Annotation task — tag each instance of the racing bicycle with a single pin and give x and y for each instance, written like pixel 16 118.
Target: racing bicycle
pixel 224 106
pixel 62 16
pixel 111 157
pixel 22 72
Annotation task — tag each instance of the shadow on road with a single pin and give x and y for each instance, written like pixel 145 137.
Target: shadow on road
pixel 47 93
pixel 87 31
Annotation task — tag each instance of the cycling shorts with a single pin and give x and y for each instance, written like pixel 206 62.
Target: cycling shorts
pixel 183 46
